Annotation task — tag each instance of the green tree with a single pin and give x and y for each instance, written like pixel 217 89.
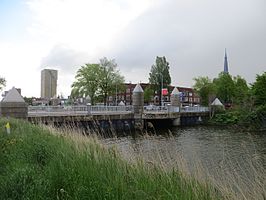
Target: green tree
pixel 159 74
pixel 259 89
pixel 2 83
pixel 148 94
pixel 241 93
pixel 204 87
pixel 224 87
pixel 110 79
pixel 87 81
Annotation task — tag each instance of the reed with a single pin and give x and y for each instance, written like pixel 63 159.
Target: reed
pixel 37 162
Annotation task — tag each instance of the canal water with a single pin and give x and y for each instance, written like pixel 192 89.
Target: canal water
pixel 232 160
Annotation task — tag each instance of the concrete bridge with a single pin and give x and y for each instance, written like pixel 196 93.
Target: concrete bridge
pixel 13 105
pixel 60 114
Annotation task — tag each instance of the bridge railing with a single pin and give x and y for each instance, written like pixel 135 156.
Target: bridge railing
pixel 152 109
pixel 111 108
pixel 78 109
pixel 56 108
pixel 195 109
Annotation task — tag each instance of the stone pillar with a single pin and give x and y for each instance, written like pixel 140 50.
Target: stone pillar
pixel 138 100
pixel 175 106
pixel 138 103
pixel 13 105
pixel 175 102
pixel 174 98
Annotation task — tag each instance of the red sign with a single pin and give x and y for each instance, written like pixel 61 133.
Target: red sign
pixel 164 91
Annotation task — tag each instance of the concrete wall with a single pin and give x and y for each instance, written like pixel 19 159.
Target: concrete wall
pixel 14 109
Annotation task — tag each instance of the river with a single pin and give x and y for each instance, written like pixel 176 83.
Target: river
pixel 233 161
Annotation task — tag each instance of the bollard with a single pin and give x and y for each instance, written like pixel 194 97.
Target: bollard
pixel 8 128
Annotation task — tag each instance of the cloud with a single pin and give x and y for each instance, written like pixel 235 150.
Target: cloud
pixel 64 58
pixel 192 35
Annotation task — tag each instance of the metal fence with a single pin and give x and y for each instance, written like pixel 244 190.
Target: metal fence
pixel 152 108
pixel 195 109
pixel 32 110
pixel 78 109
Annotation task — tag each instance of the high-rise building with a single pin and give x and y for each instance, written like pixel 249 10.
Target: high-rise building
pixel 225 63
pixel 48 83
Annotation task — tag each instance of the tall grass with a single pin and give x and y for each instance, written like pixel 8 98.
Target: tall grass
pixel 235 178
pixel 37 163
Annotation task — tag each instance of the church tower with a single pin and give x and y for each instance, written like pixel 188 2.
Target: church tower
pixel 225 63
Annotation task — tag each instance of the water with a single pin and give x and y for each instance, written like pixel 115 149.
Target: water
pixel 226 157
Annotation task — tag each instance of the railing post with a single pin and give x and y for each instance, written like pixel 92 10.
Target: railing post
pixel 88 109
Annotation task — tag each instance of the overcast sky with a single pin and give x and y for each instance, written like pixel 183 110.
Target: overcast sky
pixel 191 34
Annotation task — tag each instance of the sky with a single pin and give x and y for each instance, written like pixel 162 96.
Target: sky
pixel 191 34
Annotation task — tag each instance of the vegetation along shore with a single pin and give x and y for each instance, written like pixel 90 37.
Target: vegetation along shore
pixel 37 163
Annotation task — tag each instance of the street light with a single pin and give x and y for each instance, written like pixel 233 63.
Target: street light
pixel 161 89
pixel 116 94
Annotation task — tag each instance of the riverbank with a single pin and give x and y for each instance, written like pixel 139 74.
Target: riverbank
pixel 241 119
pixel 37 163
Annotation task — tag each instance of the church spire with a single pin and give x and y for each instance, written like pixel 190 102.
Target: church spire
pixel 225 63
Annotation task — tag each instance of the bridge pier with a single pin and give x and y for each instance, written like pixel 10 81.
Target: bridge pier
pixel 138 103
pixel 13 105
pixel 176 122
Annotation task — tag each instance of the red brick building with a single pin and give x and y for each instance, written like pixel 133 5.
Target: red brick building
pixel 187 95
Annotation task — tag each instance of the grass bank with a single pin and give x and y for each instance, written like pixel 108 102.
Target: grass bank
pixel 36 163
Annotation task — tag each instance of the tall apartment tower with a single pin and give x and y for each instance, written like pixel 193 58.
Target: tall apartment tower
pixel 48 83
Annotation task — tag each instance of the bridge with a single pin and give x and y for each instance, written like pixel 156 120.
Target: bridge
pixel 60 114
pixel 13 105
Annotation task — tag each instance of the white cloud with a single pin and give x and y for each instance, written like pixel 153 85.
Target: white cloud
pixel 191 34
pixel 85 25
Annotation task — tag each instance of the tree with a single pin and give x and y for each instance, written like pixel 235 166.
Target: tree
pixel 259 89
pixel 2 83
pixel 97 80
pixel 241 93
pixel 224 87
pixel 159 74
pixel 110 79
pixel 148 94
pixel 205 88
pixel 87 81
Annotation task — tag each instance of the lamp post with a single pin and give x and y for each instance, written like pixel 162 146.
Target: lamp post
pixel 161 89
pixel 116 94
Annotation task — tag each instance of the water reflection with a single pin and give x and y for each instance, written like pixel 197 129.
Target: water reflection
pixel 224 155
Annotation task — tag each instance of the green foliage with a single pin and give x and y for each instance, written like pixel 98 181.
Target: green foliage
pixel 97 80
pixel 259 89
pixel 224 87
pixel 35 164
pixel 241 93
pixel 160 73
pixel 87 81
pixel 148 94
pixel 228 117
pixel 204 87
pixel 110 78
pixel 2 83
